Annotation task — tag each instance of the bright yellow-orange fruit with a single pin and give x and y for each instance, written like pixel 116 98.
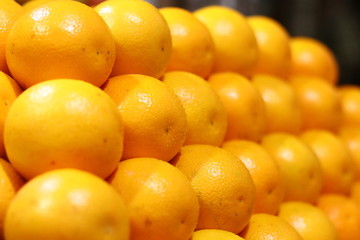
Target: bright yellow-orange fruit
pixel 161 201
pixel 268 180
pixel 214 234
pixel 318 101
pixel 10 183
pixel 60 39
pixel 281 106
pixel 10 10
pixel 29 4
pixel 9 91
pixel 310 57
pixel 355 192
pixel 264 226
pixel 350 104
pixel 350 135
pixel 205 113
pixel 243 103
pixel 223 184
pixel 273 43
pixel 308 220
pixel 154 118
pixel 142 37
pixel 298 165
pixel 343 213
pixel 338 167
pixel 63 123
pixel 192 43
pixel 67 204
pixel 235 43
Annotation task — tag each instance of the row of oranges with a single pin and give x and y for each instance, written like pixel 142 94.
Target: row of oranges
pixel 224 124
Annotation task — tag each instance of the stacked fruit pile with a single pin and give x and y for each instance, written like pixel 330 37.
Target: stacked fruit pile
pixel 124 121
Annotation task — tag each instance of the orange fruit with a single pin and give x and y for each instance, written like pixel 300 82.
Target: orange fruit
pixel 336 162
pixel 142 37
pixel 222 183
pixel 34 3
pixel 205 113
pixel 269 184
pixel 56 124
pixel 281 106
pixel 243 103
pixel 310 57
pixel 343 213
pixel 310 221
pixel 298 164
pixel 214 234
pixel 10 183
pixel 67 204
pixel 60 39
pixel 350 104
pixel 154 119
pixel 273 43
pixel 10 10
pixel 192 45
pixel 161 201
pixel 9 91
pixel 350 135
pixel 235 44
pixel 264 226
pixel 355 192
pixel 319 103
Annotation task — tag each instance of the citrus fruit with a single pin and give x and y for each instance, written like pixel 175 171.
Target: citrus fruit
pixel 67 204
pixel 60 39
pixel 214 234
pixel 142 37
pixel 222 183
pixel 355 192
pixel 298 165
pixel 337 165
pixel 192 45
pixel 205 113
pixel 34 3
pixel 243 103
pixel 57 124
pixel 154 119
pixel 161 201
pixel 235 44
pixel 350 104
pixel 268 180
pixel 310 221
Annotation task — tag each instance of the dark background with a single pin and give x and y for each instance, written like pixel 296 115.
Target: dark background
pixel 334 22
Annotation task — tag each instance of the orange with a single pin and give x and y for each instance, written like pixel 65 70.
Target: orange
pixel 10 10
pixel 319 103
pixel 60 39
pixel 269 184
pixel 281 106
pixel 205 113
pixel 355 192
pixel 310 221
pixel 9 91
pixel 192 45
pixel 343 213
pixel 56 124
pixel 350 104
pixel 161 201
pixel 154 119
pixel 214 234
pixel 350 135
pixel 336 162
pixel 34 3
pixel 243 103
pixel 298 164
pixel 142 37
pixel 310 57
pixel 222 183
pixel 10 183
pixel 235 44
pixel 273 43
pixel 67 204
pixel 264 226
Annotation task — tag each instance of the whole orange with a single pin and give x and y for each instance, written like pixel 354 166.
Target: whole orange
pixel 63 123
pixel 350 104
